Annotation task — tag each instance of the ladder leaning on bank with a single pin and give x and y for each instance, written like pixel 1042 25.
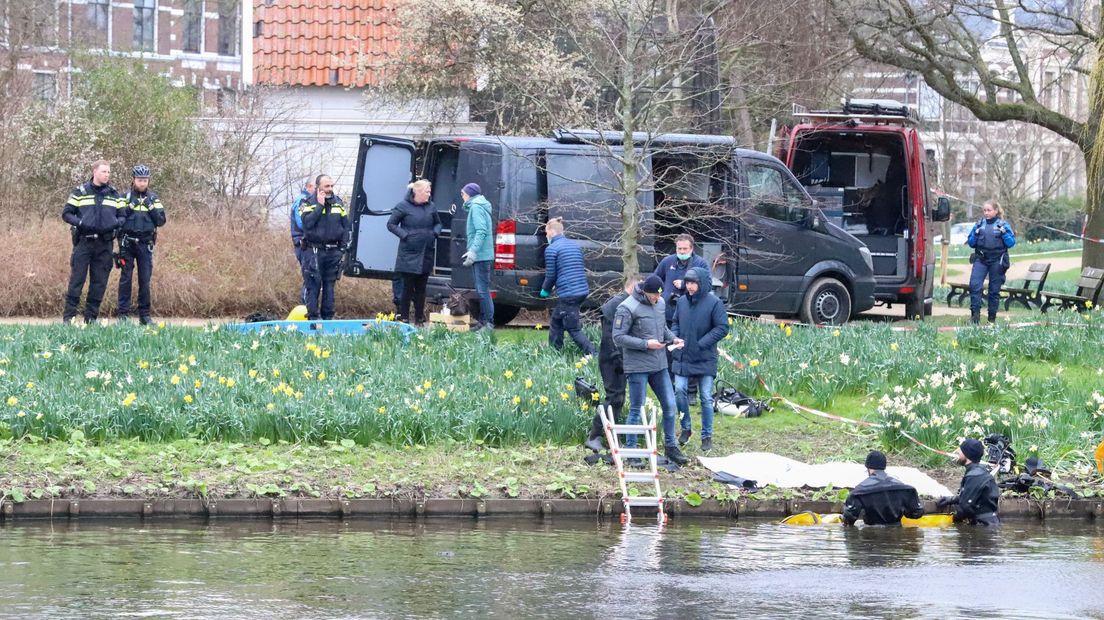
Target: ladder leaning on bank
pixel 647 427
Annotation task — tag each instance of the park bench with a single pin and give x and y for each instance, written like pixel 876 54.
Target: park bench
pixel 961 291
pixel 1088 290
pixel 1031 290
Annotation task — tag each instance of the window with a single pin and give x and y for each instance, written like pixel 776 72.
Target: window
pixel 775 196
pixel 145 11
pixel 583 189
pixel 193 25
pixel 98 14
pixel 228 27
pixel 44 88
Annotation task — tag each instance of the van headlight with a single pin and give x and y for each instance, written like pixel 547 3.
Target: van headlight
pixel 865 252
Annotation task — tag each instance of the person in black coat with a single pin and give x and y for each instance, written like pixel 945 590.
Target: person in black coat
pixel 880 499
pixel 701 320
pixel 979 495
pixel 417 225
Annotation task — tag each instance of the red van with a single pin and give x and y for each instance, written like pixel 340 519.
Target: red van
pixel 866 167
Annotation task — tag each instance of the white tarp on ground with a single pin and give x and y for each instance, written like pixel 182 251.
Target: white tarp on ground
pixel 768 468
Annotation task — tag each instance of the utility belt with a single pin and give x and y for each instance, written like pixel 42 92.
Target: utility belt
pixel 78 236
pixel 322 246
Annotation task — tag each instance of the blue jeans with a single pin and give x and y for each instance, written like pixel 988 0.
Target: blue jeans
pixel 566 316
pixel 705 394
pixel 481 269
pixel 660 381
pixel 994 268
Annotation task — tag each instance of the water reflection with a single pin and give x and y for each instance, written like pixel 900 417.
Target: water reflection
pixel 429 568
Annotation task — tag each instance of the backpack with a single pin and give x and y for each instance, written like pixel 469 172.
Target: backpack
pixel 730 401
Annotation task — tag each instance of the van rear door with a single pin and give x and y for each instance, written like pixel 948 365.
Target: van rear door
pixel 384 169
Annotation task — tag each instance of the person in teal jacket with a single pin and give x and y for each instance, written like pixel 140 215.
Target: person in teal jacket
pixel 480 254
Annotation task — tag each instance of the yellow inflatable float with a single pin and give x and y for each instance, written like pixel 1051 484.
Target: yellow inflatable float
pixel 835 518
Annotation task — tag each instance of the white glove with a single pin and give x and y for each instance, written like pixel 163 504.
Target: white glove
pixel 469 258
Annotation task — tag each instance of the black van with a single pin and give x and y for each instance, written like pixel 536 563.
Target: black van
pixel 771 251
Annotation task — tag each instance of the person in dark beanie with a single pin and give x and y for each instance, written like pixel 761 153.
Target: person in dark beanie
pixel 479 254
pixel 979 495
pixel 565 270
pixel 609 365
pixel 640 329
pixel 880 499
pixel 700 319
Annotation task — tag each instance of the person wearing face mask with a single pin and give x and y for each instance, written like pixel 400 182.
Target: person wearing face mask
pixel 991 238
pixel 672 271
pixel 979 496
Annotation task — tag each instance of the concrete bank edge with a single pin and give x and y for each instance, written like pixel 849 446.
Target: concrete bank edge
pixel 293 508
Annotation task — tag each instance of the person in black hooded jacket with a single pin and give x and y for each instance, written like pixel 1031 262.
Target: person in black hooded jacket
pixel 880 499
pixel 96 213
pixel 145 214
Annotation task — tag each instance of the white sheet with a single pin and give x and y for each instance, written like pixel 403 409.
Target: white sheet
pixel 768 468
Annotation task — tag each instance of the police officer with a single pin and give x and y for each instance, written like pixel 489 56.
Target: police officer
pixel 991 237
pixel 325 240
pixel 145 214
pixel 609 364
pixel 296 223
pixel 880 499
pixel 95 212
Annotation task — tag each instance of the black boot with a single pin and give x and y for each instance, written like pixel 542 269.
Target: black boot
pixel 675 455
pixel 975 318
pixel 992 319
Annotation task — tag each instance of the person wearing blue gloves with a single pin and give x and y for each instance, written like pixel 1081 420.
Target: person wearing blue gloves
pixel 565 270
pixel 991 238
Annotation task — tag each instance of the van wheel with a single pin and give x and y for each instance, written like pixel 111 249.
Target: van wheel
pixel 503 313
pixel 827 302
pixel 916 310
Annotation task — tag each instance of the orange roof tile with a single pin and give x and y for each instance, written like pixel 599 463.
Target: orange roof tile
pixel 317 42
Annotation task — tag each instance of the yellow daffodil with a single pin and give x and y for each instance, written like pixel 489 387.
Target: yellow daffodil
pixel 175 380
pixel 528 383
pixel 222 380
pixel 322 375
pixel 198 384
pixel 427 384
pixel 252 373
pixel 130 398
pixel 360 388
pixel 308 374
pixel 441 394
pixel 191 360
pixel 753 363
pixel 275 372
pixel 270 406
pixel 231 383
pixel 835 333
pixel 543 399
pixel 789 330
pixel 564 396
pixel 21 414
pixel 893 346
pixel 143 364
pixel 538 326
pixel 30 385
pixel 517 400
pixel 182 369
pixel 47 355
pixel 325 354
pixel 188 398
pixel 509 374
pixel 594 397
pixel 381 410
pixel 38 416
pixel 12 401
pixel 161 325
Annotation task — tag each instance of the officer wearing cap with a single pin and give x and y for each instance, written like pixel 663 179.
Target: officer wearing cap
pixel 145 214
pixel 881 499
pixel 978 495
pixel 95 212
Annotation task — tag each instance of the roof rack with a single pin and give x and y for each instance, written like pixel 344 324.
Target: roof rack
pixel 867 111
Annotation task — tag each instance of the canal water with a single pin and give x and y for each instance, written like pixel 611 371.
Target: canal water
pixel 557 569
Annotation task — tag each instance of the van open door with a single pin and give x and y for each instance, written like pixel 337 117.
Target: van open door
pixel 384 169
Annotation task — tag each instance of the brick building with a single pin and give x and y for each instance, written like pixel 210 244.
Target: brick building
pixel 194 42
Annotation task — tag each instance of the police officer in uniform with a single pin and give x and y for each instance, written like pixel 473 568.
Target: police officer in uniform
pixel 95 212
pixel 880 499
pixel 991 237
pixel 145 214
pixel 979 496
pixel 325 240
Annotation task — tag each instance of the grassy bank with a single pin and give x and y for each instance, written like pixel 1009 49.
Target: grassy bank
pixel 175 411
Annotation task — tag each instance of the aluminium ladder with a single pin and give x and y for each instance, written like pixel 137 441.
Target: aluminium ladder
pixel 651 475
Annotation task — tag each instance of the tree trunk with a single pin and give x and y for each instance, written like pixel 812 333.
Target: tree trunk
pixel 630 209
pixel 1092 254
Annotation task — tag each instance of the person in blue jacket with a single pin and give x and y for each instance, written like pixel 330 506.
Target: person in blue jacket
pixel 672 269
pixel 296 223
pixel 565 270
pixel 991 238
pixel 702 322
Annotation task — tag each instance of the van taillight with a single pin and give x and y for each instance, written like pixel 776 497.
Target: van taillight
pixel 506 245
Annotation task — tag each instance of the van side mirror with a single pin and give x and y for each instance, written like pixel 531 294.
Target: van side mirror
pixel 942 211
pixel 815 221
